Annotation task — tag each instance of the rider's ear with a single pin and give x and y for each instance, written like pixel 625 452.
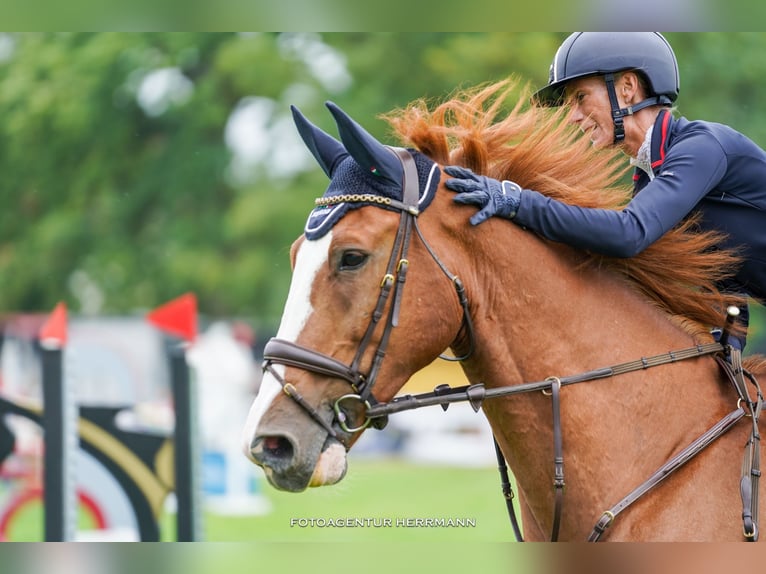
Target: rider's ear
pixel 630 86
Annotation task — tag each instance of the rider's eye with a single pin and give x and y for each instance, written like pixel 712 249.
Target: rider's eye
pixel 351 260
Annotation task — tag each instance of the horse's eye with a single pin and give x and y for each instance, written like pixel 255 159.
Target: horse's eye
pixel 351 260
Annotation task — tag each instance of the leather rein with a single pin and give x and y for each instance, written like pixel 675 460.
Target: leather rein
pixel 475 394
pixel 282 352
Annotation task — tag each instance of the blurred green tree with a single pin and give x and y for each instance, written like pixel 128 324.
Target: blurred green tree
pixel 138 166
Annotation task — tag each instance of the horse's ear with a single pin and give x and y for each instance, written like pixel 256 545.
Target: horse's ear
pixel 368 152
pixel 326 149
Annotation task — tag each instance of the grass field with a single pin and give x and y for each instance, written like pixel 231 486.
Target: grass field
pixel 391 498
pixel 373 491
pixel 379 500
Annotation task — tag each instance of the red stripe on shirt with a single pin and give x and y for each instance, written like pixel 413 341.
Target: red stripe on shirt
pixel 665 123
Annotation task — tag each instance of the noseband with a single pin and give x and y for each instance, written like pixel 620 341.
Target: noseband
pixel 281 352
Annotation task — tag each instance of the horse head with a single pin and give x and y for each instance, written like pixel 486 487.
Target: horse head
pixel 350 335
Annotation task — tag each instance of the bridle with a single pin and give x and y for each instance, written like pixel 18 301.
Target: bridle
pixel 282 352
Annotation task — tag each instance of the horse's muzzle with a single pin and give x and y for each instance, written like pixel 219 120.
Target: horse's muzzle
pixel 291 469
pixel 274 452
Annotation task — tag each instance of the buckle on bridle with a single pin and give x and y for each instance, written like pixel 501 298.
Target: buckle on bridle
pixel 342 418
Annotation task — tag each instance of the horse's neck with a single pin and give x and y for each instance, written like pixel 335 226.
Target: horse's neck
pixel 541 309
pixel 540 314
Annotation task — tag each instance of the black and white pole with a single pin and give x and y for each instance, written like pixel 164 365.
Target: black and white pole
pixel 187 480
pixel 179 319
pixel 59 432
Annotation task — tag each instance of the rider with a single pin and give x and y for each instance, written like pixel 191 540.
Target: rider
pixel 620 87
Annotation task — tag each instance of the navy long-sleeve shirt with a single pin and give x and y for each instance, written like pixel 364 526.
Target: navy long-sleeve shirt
pixel 699 166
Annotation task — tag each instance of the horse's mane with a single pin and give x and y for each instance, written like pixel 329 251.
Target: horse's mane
pixel 478 128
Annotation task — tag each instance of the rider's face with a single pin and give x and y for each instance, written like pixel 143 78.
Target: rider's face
pixel 590 110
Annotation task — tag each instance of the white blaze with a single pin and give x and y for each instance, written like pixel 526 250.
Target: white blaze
pixel 311 256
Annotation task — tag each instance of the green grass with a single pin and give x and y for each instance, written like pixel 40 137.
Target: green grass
pixel 374 491
pixel 27 524
pixel 383 493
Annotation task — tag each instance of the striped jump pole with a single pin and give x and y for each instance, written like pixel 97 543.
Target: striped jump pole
pixel 179 319
pixel 59 432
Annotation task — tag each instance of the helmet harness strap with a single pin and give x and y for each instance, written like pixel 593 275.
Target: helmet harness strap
pixel 619 113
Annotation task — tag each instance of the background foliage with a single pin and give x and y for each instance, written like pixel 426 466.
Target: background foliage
pixel 123 185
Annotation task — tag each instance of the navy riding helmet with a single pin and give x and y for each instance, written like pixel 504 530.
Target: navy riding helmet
pixel 607 53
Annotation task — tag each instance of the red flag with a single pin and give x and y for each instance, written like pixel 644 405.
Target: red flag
pixel 177 317
pixel 53 332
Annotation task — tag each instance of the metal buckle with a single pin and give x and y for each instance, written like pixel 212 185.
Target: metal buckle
pixel 342 418
pixel 606 519
pixel 552 381
pixel 739 406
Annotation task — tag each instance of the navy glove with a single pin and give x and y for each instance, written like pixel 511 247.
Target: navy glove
pixel 493 197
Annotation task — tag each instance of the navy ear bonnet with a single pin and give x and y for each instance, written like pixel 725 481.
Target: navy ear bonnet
pixel 359 166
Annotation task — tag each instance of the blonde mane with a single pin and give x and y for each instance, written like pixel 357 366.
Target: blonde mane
pixel 480 128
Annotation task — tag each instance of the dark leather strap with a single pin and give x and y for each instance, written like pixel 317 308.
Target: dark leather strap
pixel 505 484
pixel 666 470
pixel 751 462
pixel 558 470
pixel 392 285
pixel 410 183
pixel 750 467
pixel 293 393
pixel 558 458
pixel 444 395
pixel 287 353
pixel 448 395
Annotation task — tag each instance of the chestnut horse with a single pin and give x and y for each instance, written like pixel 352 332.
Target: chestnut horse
pixel 389 274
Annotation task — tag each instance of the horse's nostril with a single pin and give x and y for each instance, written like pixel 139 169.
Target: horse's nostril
pixel 277 448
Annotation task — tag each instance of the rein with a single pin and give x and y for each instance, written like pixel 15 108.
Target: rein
pixel 444 395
